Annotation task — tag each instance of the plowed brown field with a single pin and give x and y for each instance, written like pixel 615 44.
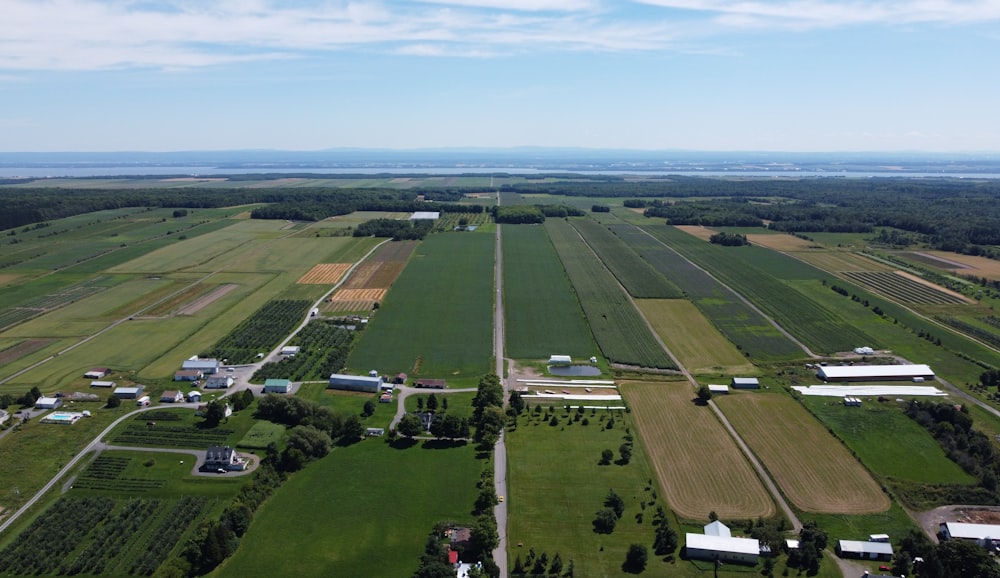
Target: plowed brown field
pixel 395 251
pixel 814 470
pixel 325 274
pixel 358 295
pixel 698 464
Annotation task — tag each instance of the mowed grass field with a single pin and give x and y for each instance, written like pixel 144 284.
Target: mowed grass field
pixel 888 442
pixel 542 314
pixel 812 468
pixel 556 487
pixel 699 466
pixel 437 320
pixel 698 344
pixel 364 510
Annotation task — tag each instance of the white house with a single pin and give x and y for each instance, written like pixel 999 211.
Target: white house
pixel 219 382
pixel 225 458
pixel 48 403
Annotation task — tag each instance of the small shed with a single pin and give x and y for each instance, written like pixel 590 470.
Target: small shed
pixel 745 383
pixel 206 366
pixel 277 386
pixel 100 383
pixel 375 432
pixel 194 396
pixel 400 379
pixel 290 350
pixel 97 373
pixel 48 403
pixel 560 360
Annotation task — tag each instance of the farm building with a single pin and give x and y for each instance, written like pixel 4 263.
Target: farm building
pixel 745 383
pixel 277 386
pixel 171 396
pixel 290 350
pixel 194 396
pixel 718 389
pixel 864 351
pixel 4 416
pixel 400 379
pixel 385 398
pixel 219 382
pixel 48 403
pixel 431 383
pixel 432 215
pixel 206 366
pixel 986 535
pixel 355 383
pixel 128 392
pixel 375 432
pixel 188 375
pixel 100 383
pixel 717 543
pixel 864 550
pixel 560 360
pixel 224 458
pixel 874 372
pixel 97 373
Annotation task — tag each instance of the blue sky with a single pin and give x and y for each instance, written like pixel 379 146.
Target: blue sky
pixel 795 75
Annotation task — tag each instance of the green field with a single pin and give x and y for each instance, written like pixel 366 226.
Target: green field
pixel 437 320
pixel 638 277
pixel 364 510
pixel 624 337
pixel 698 345
pixel 542 314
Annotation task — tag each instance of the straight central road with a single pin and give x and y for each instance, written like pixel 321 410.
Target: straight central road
pixel 500 451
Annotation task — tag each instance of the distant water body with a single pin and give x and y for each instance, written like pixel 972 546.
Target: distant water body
pixel 83 172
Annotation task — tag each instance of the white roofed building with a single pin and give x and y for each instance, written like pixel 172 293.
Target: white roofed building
pixel 864 550
pixel 874 372
pixel 985 535
pixel 717 543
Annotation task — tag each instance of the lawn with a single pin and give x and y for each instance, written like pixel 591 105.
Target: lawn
pixel 542 314
pixel 812 468
pixel 364 510
pixel 437 320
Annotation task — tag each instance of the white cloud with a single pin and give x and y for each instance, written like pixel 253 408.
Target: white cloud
pixel 523 5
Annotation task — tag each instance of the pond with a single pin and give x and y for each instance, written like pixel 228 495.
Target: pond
pixel 574 370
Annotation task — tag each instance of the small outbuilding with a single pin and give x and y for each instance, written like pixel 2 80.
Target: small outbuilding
pixel 171 396
pixel 97 373
pixel 277 386
pixel 48 403
pixel 431 383
pixel 400 379
pixel 290 350
pixel 718 388
pixel 194 396
pixel 745 383
pixel 101 383
pixel 375 432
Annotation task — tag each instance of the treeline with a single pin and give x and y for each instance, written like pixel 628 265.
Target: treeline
pixel 531 214
pixel 729 239
pixel 395 229
pixel 27 206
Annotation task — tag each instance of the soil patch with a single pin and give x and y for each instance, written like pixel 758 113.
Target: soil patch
pixel 21 349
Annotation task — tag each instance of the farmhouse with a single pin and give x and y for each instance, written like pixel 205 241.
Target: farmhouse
pixel 875 372
pixel 560 360
pixel 219 382
pixel 355 383
pixel 986 535
pixel 290 350
pixel 224 458
pixel 206 366
pixel 48 403
pixel 128 392
pixel 745 383
pixel 194 396
pixel 188 375
pixel 171 396
pixel 864 550
pixel 717 543
pixel 97 373
pixel 431 383
pixel 99 383
pixel 277 386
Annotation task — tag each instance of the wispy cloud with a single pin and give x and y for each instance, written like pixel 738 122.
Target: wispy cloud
pixel 804 14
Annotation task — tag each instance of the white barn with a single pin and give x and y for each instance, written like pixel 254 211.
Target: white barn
pixel 560 360
pixel 717 543
pixel 206 366
pixel 745 383
pixel 864 550
pixel 48 403
pixel 370 384
pixel 874 372
pixel 982 534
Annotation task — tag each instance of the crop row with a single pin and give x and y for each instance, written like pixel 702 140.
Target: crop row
pixel 760 275
pixel 323 348
pixel 638 277
pixel 970 329
pixel 162 539
pixel 123 484
pixel 58 531
pixel 180 436
pixel 158 415
pixel 743 325
pixel 902 289
pixel 620 331
pixel 105 467
pixel 109 538
pixel 261 332
pixel 37 306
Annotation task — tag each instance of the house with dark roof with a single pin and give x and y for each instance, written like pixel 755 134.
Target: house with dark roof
pixel 224 458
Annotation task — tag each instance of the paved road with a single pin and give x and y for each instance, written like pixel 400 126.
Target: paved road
pixel 500 450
